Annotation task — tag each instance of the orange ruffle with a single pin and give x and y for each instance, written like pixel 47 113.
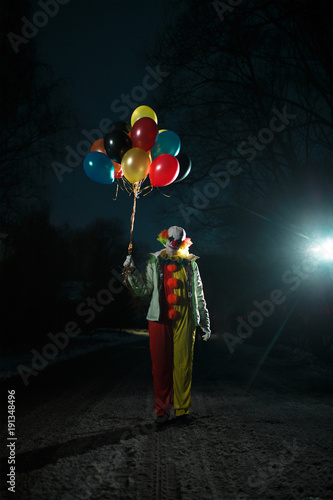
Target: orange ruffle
pixel 165 234
pixel 186 243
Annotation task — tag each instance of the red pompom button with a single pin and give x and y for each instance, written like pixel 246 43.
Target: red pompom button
pixel 173 283
pixel 173 298
pixel 173 314
pixel 172 268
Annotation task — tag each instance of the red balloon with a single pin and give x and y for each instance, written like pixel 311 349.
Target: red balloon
pixel 164 170
pixel 144 133
pixel 117 170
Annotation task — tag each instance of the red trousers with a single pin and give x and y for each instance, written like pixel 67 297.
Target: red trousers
pixel 161 351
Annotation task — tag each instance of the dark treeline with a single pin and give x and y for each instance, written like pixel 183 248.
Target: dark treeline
pixel 46 272
pixel 54 275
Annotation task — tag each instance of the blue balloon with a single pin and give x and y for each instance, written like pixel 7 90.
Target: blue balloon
pixel 99 167
pixel 167 142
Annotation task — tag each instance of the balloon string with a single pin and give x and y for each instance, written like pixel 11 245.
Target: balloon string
pixel 128 269
pixel 136 190
pixel 127 185
pixel 117 189
pixel 150 190
pixel 166 195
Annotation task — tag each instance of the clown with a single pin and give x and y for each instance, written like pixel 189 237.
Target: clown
pixel 177 307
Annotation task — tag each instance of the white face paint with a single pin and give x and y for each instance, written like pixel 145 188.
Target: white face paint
pixel 176 236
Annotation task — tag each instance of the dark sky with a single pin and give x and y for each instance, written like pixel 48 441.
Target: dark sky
pixel 97 45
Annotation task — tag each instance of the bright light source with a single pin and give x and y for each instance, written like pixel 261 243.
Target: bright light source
pixel 323 249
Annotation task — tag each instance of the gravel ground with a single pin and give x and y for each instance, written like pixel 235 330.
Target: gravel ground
pixel 85 429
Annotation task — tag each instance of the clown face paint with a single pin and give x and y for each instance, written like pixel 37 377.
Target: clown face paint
pixel 176 236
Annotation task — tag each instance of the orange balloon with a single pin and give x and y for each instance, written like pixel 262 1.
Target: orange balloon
pixel 98 146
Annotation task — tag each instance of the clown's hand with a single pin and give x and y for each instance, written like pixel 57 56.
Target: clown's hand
pixel 206 333
pixel 129 262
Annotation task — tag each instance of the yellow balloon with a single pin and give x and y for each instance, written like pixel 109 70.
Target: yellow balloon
pixel 143 112
pixel 135 165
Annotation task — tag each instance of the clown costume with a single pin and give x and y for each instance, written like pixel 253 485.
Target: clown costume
pixel 177 307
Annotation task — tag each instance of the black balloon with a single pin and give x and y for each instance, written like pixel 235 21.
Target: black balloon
pixel 124 126
pixel 116 143
pixel 185 166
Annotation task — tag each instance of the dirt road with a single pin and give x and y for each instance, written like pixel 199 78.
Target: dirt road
pixel 85 429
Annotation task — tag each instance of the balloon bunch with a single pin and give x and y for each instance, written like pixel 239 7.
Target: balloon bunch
pixel 137 151
pixel 133 152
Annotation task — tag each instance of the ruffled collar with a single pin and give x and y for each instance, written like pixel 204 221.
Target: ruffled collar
pixel 179 259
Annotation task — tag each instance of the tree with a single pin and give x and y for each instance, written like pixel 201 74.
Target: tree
pixel 96 248
pixel 251 93
pixel 31 277
pixel 34 117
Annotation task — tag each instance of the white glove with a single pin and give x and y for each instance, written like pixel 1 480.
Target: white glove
pixel 206 332
pixel 129 262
